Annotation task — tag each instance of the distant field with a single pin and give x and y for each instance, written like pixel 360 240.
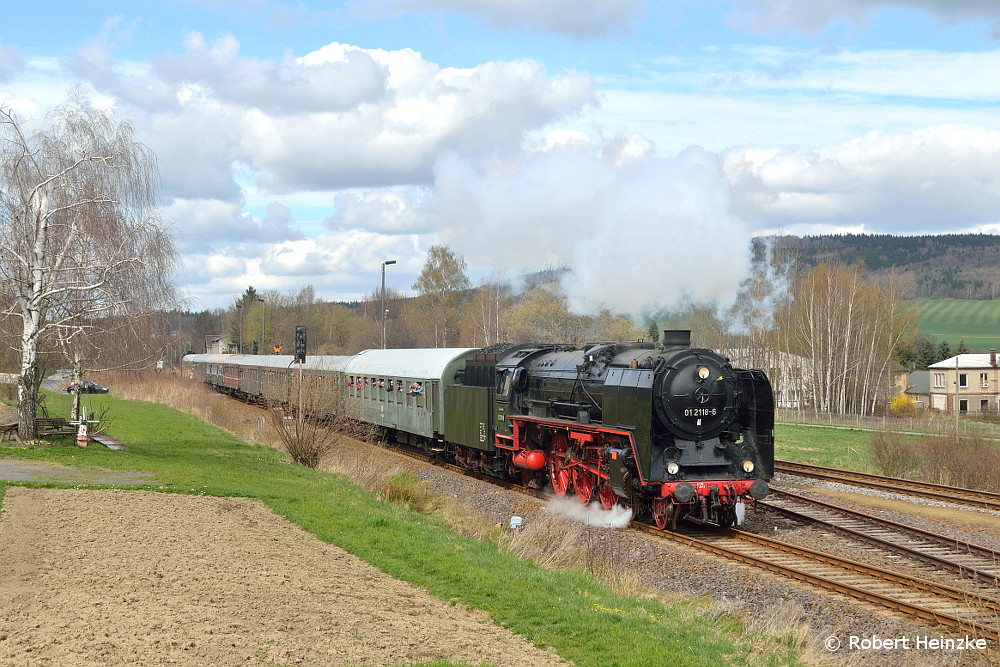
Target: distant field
pixel 953 320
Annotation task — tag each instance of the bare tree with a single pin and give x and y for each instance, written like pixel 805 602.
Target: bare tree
pixel 847 326
pixel 440 284
pixel 81 246
pixel 487 309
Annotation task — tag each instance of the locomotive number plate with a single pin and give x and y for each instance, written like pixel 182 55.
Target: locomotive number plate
pixel 700 412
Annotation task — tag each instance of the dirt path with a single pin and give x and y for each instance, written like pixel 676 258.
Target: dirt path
pixel 135 577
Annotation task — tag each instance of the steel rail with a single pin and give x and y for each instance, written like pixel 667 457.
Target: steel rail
pixel 988 570
pixel 829 583
pixel 949 494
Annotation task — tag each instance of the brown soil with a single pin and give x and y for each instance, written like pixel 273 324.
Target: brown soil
pixel 136 577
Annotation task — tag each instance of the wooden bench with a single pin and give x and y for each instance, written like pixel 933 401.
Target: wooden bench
pixel 54 426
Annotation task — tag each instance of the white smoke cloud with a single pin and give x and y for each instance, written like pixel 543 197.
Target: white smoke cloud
pixel 593 514
pixel 640 233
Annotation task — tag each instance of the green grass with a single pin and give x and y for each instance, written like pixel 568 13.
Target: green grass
pixel 823 446
pixel 583 620
pixel 954 320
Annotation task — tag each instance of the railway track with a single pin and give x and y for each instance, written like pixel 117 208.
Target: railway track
pixel 971 612
pixel 912 596
pixel 937 554
pixel 949 494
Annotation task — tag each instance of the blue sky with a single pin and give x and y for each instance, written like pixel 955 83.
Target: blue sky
pixel 641 143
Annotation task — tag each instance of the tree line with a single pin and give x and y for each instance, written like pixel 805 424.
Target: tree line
pixel 833 335
pixel 446 311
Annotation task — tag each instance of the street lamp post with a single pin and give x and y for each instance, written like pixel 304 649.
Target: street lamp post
pixel 239 345
pixel 384 264
pixel 263 314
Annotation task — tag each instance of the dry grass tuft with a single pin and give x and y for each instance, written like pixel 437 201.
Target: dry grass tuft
pixel 549 539
pixel 778 633
pixel 941 458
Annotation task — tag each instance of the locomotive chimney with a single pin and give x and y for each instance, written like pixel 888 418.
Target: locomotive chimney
pixel 676 338
pixel 993 357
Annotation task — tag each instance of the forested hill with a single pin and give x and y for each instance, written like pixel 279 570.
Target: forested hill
pixel 960 266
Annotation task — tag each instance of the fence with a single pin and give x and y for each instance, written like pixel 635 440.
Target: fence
pixel 932 424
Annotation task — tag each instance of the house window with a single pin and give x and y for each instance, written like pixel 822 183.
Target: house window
pixel 963 380
pixel 963 405
pixel 984 380
pixel 939 380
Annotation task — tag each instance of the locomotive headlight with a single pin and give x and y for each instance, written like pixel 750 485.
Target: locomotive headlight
pixel 703 372
pixel 672 467
pixel 748 466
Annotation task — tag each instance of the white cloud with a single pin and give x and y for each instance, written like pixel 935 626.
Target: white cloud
pixel 942 178
pixel 338 117
pixel 204 268
pixel 384 211
pixel 579 19
pixel 779 96
pixel 428 109
pixel 815 15
pixel 290 86
pixel 205 224
pixel 11 62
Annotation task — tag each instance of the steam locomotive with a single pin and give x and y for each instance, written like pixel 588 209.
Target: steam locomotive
pixel 668 431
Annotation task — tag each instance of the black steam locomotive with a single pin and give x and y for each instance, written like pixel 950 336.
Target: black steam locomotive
pixel 668 431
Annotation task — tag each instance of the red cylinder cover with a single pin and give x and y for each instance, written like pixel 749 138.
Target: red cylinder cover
pixel 533 459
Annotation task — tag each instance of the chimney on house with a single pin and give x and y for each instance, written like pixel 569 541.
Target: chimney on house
pixel 993 357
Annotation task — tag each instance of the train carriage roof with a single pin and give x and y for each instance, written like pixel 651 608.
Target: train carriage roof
pixel 316 362
pixel 313 363
pixel 428 363
pixel 214 358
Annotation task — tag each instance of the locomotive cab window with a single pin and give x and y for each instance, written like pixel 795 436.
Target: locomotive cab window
pixel 503 383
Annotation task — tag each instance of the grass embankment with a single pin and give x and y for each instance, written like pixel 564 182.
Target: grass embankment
pixel 567 609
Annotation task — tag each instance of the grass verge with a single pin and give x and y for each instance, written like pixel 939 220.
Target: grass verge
pixel 849 449
pixel 582 619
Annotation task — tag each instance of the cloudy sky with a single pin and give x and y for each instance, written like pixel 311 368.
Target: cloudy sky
pixel 641 142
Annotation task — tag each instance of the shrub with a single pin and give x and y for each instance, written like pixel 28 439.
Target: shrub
pixel 894 454
pixel 903 406
pixel 969 461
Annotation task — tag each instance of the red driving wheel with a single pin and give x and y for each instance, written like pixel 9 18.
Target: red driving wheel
pixel 608 497
pixel 583 484
pixel 660 506
pixel 558 475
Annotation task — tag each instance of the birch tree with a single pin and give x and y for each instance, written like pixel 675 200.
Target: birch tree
pixel 847 326
pixel 440 283
pixel 485 312
pixel 81 247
